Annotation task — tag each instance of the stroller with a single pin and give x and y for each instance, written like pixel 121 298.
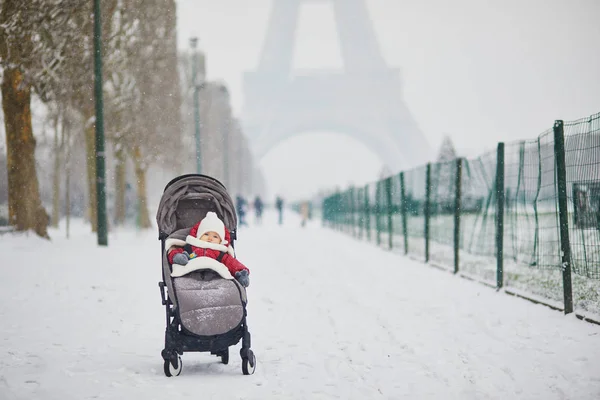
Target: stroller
pixel 204 312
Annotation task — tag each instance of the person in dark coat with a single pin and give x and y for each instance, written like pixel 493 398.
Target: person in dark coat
pixel 240 205
pixel 279 206
pixel 258 209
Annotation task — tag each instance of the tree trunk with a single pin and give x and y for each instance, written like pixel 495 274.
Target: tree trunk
pixel 90 147
pixel 140 175
pixel 68 199
pixel 56 178
pixel 24 204
pixel 120 187
pixel 66 148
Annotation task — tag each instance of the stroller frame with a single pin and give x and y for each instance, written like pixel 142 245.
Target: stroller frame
pixel 179 340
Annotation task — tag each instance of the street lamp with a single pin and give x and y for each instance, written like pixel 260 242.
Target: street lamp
pixel 225 132
pixel 100 170
pixel 226 123
pixel 194 44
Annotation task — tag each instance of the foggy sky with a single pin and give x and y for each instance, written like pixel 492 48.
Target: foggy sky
pixel 480 71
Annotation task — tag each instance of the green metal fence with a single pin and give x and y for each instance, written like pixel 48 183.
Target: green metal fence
pixel 532 205
pixel 582 154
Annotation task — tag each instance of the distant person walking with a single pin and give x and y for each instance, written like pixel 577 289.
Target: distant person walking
pixel 304 212
pixel 258 209
pixel 240 205
pixel 279 206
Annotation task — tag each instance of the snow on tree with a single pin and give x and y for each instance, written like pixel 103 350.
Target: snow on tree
pixel 46 50
pixel 153 105
pixel 443 178
pixel 32 42
pixel 447 151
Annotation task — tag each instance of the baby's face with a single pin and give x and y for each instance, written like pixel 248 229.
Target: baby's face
pixel 211 237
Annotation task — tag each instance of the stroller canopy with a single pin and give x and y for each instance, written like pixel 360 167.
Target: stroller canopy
pixel 188 198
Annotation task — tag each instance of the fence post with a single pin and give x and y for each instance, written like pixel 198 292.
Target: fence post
pixel 403 208
pixel 388 195
pixel 330 211
pixel 341 215
pixel 360 212
pixel 347 212
pixel 330 208
pixel 367 213
pixel 327 212
pixel 378 212
pixel 500 216
pixel 457 213
pixel 338 208
pixel 352 216
pixel 355 214
pixel 426 211
pixel 340 212
pixel 563 213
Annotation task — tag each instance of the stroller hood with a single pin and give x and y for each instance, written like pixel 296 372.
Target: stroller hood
pixel 187 199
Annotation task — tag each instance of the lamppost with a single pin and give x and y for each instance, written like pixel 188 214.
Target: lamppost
pixel 194 44
pixel 100 172
pixel 226 125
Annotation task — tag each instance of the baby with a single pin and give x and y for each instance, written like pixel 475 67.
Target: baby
pixel 209 241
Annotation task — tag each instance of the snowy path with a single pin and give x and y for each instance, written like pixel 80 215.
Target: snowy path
pixel 331 317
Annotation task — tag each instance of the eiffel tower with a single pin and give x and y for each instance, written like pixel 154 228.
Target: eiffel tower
pixel 363 101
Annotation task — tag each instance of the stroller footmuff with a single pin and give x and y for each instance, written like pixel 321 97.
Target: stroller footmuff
pixel 205 310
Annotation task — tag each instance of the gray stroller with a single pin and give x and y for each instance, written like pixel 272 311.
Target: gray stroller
pixel 204 312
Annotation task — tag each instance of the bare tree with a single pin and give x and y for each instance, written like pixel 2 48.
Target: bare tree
pixel 154 135
pixel 21 45
pixel 443 177
pixel 120 86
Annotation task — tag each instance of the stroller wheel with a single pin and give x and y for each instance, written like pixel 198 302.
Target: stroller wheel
pixel 225 356
pixel 249 363
pixel 172 370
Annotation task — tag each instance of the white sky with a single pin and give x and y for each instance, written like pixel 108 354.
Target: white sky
pixel 480 71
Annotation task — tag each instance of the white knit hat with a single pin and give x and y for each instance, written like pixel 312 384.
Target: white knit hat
pixel 212 223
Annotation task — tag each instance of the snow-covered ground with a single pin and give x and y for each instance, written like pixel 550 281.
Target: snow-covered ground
pixel 330 316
